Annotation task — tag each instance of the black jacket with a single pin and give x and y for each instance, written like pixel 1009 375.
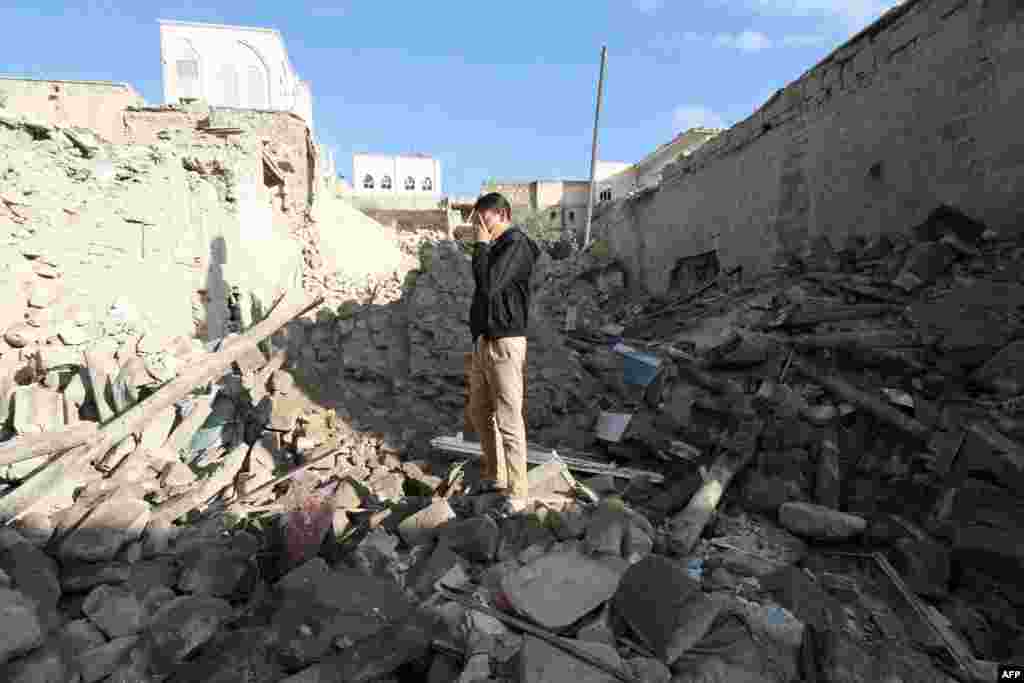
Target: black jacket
pixel 502 271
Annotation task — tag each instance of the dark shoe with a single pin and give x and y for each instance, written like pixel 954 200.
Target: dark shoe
pixel 507 507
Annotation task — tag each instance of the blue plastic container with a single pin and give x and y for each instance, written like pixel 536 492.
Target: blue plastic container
pixel 640 368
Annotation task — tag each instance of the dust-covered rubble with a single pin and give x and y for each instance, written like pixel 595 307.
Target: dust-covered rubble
pixel 288 520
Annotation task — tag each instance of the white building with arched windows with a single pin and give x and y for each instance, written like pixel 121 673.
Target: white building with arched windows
pixel 231 66
pixel 411 181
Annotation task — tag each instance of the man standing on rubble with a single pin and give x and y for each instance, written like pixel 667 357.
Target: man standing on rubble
pixel 503 263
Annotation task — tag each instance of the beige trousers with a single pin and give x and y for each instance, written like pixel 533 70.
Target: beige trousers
pixel 497 385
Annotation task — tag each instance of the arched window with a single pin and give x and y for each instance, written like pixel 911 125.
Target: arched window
pixel 187 69
pixel 188 78
pixel 606 195
pixel 367 182
pixel 385 183
pixel 228 77
pixel 428 185
pixel 410 183
pixel 554 215
pixel 257 85
pixel 572 216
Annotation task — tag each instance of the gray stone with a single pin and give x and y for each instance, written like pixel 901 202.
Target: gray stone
pixel 375 658
pixel 79 636
pixel 116 611
pixel 818 522
pixel 545 663
pixel 431 568
pixel 669 619
pixel 78 577
pixel 111 525
pixel 557 589
pixel 605 531
pixel 338 605
pixel 33 573
pixel 20 630
pixel 424 526
pixel 476 538
pixel 243 656
pixel 214 571
pixel 182 625
pixel 303 576
pixel 100 662
pixel 45 665
pixel 567 524
pixel 150 574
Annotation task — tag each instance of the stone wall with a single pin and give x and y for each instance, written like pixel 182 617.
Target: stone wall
pixel 87 104
pixel 919 109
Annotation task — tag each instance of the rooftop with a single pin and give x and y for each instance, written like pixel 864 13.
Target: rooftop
pixel 199 24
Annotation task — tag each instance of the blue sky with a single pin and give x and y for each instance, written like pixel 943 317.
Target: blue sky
pixel 505 94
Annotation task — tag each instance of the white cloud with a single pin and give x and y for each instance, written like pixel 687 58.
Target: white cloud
pixel 854 14
pixel 685 117
pixel 744 41
pixel 647 6
pixel 747 41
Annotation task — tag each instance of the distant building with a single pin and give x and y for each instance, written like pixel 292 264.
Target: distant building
pixel 617 183
pixel 231 66
pixel 404 181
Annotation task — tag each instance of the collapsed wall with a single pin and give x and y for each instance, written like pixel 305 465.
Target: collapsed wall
pixel 161 229
pixel 916 111
pixel 97 105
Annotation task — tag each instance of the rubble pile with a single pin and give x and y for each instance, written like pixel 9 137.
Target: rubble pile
pixel 839 442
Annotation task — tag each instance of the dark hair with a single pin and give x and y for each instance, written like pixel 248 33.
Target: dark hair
pixel 494 201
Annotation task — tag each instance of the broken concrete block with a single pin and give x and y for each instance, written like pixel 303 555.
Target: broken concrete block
pixel 20 630
pixel 37 409
pixel 115 611
pixel 42 294
pixel 818 522
pixel 157 430
pixel 56 357
pixel 557 589
pixel 550 479
pixel 99 662
pixel 72 334
pixel 21 335
pixel 545 663
pixel 475 538
pixel 425 526
pixel 111 525
pixel 182 625
pixel 670 620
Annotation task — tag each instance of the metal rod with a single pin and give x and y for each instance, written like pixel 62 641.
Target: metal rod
pixel 593 148
pixel 562 644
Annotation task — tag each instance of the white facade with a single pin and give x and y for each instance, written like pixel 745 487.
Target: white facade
pixel 231 66
pixel 410 175
pixel 619 180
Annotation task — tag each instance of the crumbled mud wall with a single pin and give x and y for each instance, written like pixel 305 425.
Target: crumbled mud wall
pixel 146 225
pixel 89 104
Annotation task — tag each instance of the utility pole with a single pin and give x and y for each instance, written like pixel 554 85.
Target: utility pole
pixel 593 148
